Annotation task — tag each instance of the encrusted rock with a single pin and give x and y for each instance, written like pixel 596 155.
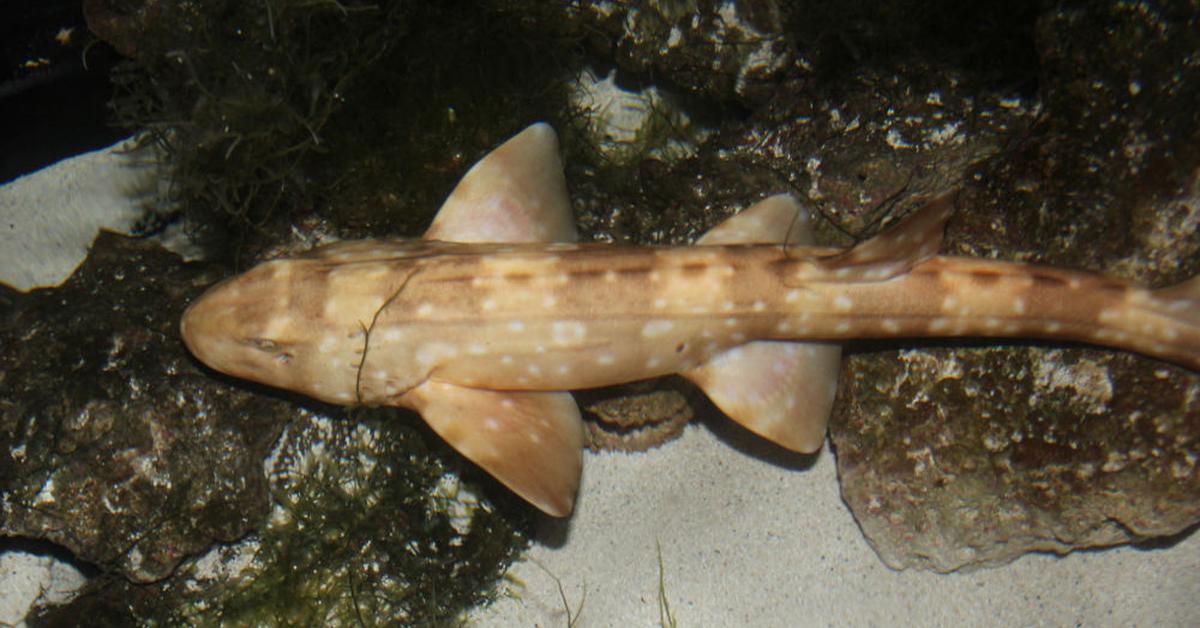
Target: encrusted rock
pixel 960 458
pixel 115 444
pixel 641 419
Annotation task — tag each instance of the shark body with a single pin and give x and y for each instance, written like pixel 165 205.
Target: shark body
pixel 484 324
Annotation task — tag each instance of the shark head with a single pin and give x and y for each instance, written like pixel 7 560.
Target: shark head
pixel 237 327
pixel 297 324
pixel 303 323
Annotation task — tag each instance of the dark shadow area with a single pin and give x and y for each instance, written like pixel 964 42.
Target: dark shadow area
pixel 1166 542
pixel 38 547
pixel 54 87
pixel 992 40
pixel 747 442
pixel 868 346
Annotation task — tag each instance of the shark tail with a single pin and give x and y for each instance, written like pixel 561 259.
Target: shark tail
pixel 1176 322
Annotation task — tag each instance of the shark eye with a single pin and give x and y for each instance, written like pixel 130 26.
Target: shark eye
pixel 269 346
pixel 262 344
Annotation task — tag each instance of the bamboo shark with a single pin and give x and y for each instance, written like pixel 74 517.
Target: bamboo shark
pixel 484 324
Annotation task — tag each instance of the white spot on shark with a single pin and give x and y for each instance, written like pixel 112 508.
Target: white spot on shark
pixel 432 352
pixel 657 327
pixel 567 332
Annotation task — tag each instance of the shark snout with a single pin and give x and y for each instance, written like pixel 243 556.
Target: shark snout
pixel 205 326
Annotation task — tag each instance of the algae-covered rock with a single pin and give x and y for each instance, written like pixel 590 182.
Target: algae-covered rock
pixel 116 445
pixel 733 51
pixel 367 526
pixel 359 113
pixel 122 449
pixel 957 458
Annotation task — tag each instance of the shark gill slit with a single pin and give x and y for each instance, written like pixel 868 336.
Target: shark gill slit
pixel 367 331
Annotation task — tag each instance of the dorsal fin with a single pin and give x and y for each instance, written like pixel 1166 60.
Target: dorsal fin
pixel 516 193
pixel 531 441
pixel 773 220
pixel 896 250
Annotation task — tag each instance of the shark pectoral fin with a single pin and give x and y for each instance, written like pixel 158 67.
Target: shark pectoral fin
pixel 773 220
pixel 896 250
pixel 782 391
pixel 516 193
pixel 531 441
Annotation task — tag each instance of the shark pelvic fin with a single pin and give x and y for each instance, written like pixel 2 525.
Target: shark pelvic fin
pixel 516 193
pixel 773 220
pixel 896 250
pixel 782 391
pixel 531 442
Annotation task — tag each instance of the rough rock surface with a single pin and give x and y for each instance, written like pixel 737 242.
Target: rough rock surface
pixel 174 481
pixel 115 444
pixel 963 457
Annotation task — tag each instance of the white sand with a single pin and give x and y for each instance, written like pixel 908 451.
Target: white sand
pixel 744 541
pixel 50 217
pixel 748 542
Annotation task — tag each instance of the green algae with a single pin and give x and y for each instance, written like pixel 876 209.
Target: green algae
pixel 270 112
pixel 368 528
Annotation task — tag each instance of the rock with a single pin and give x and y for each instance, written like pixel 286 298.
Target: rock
pixel 117 446
pixel 954 458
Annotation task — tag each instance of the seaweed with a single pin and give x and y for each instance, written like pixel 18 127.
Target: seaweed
pixel 369 528
pixel 271 111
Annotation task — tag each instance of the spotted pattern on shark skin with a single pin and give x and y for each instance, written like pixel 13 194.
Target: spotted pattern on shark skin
pixel 485 323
